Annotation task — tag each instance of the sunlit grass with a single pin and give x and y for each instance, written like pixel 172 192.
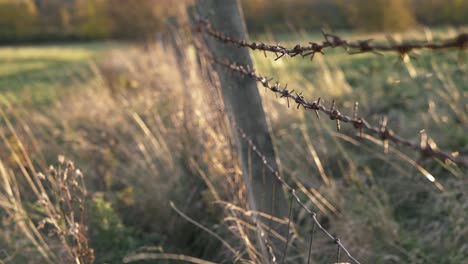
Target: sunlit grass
pixel 143 136
pixel 49 52
pixel 39 74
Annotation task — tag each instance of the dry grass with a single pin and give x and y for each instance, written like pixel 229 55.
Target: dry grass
pixel 144 136
pixel 136 141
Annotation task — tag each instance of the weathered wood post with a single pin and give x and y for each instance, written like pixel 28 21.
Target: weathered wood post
pixel 243 105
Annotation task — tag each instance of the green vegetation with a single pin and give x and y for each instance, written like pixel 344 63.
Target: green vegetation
pixel 39 74
pixel 141 140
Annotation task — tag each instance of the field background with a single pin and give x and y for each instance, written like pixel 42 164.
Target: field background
pixel 116 105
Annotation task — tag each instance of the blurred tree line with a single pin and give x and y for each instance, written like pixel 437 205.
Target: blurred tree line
pixel 49 20
pixel 53 20
pixel 368 15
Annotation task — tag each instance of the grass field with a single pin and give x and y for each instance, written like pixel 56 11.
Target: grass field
pixel 122 114
pixel 428 92
pixel 39 74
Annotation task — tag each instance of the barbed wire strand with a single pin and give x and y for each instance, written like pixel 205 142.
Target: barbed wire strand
pixel 293 193
pixel 334 41
pixel 426 145
pixel 293 197
pixel 220 108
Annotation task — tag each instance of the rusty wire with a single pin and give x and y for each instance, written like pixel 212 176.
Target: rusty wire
pixel 294 195
pixel 426 145
pixel 334 41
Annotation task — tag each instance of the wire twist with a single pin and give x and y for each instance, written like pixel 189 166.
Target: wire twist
pixel 334 41
pixel 293 192
pixel 426 146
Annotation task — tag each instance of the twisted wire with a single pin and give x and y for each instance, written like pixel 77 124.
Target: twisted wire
pixel 293 192
pixel 426 145
pixel 333 41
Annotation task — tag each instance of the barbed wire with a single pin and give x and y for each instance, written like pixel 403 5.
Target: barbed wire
pixel 426 145
pixel 294 196
pixel 334 41
pixel 293 192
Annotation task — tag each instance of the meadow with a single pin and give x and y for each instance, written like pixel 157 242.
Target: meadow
pixel 154 154
pixel 39 74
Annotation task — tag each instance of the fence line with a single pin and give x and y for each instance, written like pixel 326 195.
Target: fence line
pixel 426 145
pixel 334 41
pixel 294 196
pixel 293 192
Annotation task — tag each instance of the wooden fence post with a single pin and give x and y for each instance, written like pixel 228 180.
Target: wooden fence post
pixel 243 105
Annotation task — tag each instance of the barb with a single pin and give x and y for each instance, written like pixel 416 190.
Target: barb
pixel 293 192
pixel 334 41
pixel 426 145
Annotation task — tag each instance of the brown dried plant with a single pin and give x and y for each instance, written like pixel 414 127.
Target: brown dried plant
pixel 55 224
pixel 64 207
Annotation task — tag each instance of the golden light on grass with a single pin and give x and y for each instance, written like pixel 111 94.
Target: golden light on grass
pixel 140 147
